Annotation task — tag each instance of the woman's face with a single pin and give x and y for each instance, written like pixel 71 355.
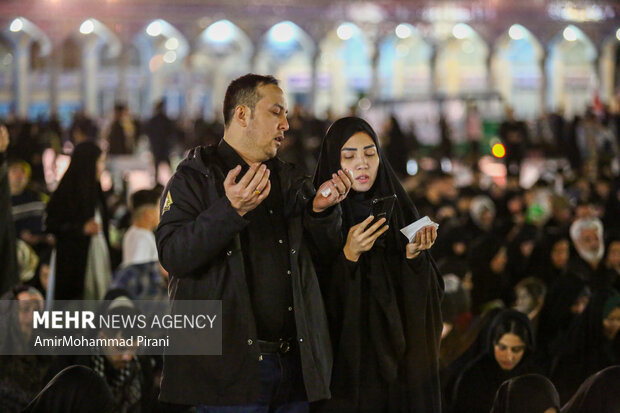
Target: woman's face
pixel 560 254
pixel 359 155
pixel 509 351
pixel 611 324
pixel 613 255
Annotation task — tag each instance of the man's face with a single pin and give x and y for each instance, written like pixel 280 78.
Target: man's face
pixel 267 123
pixel 589 240
pixel 18 179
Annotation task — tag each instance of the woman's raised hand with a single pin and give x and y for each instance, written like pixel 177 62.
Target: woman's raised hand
pixel 362 237
pixel 333 191
pixel 423 240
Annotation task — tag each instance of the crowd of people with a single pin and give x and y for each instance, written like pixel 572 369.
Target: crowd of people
pixel 512 305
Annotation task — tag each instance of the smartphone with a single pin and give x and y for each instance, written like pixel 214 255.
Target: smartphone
pixel 382 208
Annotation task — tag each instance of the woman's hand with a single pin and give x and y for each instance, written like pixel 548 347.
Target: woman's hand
pixel 423 240
pixel 333 191
pixel 361 239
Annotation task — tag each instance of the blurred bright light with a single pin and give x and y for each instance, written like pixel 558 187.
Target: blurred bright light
pixel 154 29
pixel 17 25
pixel 172 43
pixel 446 165
pixel 345 31
pixel 170 57
pixel 412 167
pixel 87 27
pixel 283 32
pixel 461 31
pixel 570 34
pixel 498 150
pixel 364 104
pixel 618 34
pixel 403 31
pixel 516 32
pixel 220 31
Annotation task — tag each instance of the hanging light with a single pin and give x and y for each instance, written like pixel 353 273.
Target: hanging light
pixel 516 32
pixel 17 25
pixel 220 31
pixel 461 31
pixel 283 32
pixel 345 31
pixel 87 27
pixel 403 31
pixel 154 29
pixel 570 34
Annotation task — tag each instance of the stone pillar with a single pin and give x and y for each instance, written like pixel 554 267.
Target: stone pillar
pixel 90 68
pixel 21 75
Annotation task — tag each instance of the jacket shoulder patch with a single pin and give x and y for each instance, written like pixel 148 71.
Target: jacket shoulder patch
pixel 167 204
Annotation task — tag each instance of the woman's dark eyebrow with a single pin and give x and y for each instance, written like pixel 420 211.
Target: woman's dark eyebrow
pixel 355 149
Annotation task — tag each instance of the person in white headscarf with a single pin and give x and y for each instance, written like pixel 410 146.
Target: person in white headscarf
pixel 587 237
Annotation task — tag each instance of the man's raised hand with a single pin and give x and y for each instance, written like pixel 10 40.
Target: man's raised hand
pixel 250 191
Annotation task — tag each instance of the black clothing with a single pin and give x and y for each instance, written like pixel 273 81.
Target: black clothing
pixel 384 310
pixel 120 142
pixel 199 243
pixel 265 248
pixel 130 388
pixel 8 254
pixel 162 135
pixel 540 264
pixel 76 389
pixel 586 349
pixel 487 284
pixel 556 317
pixel 581 267
pixel 70 207
pixel 531 393
pixel 598 394
pixel 28 210
pixel 514 135
pixel 475 388
pixel 397 151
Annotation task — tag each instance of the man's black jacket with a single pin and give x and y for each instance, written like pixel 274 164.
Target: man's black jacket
pixel 198 240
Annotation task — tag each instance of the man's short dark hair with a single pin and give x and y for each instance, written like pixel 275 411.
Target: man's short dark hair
pixel 243 91
pixel 145 197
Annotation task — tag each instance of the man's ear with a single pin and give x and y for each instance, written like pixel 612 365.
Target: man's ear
pixel 242 114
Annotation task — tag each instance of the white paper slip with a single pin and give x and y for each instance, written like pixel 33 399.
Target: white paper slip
pixel 410 230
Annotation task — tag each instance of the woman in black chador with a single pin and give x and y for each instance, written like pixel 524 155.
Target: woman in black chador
pixel 77 216
pixel 382 293
pixel 507 354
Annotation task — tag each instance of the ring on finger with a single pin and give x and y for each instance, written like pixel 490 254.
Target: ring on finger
pixel 257 192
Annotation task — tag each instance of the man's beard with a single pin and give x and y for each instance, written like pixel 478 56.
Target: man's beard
pixel 591 257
